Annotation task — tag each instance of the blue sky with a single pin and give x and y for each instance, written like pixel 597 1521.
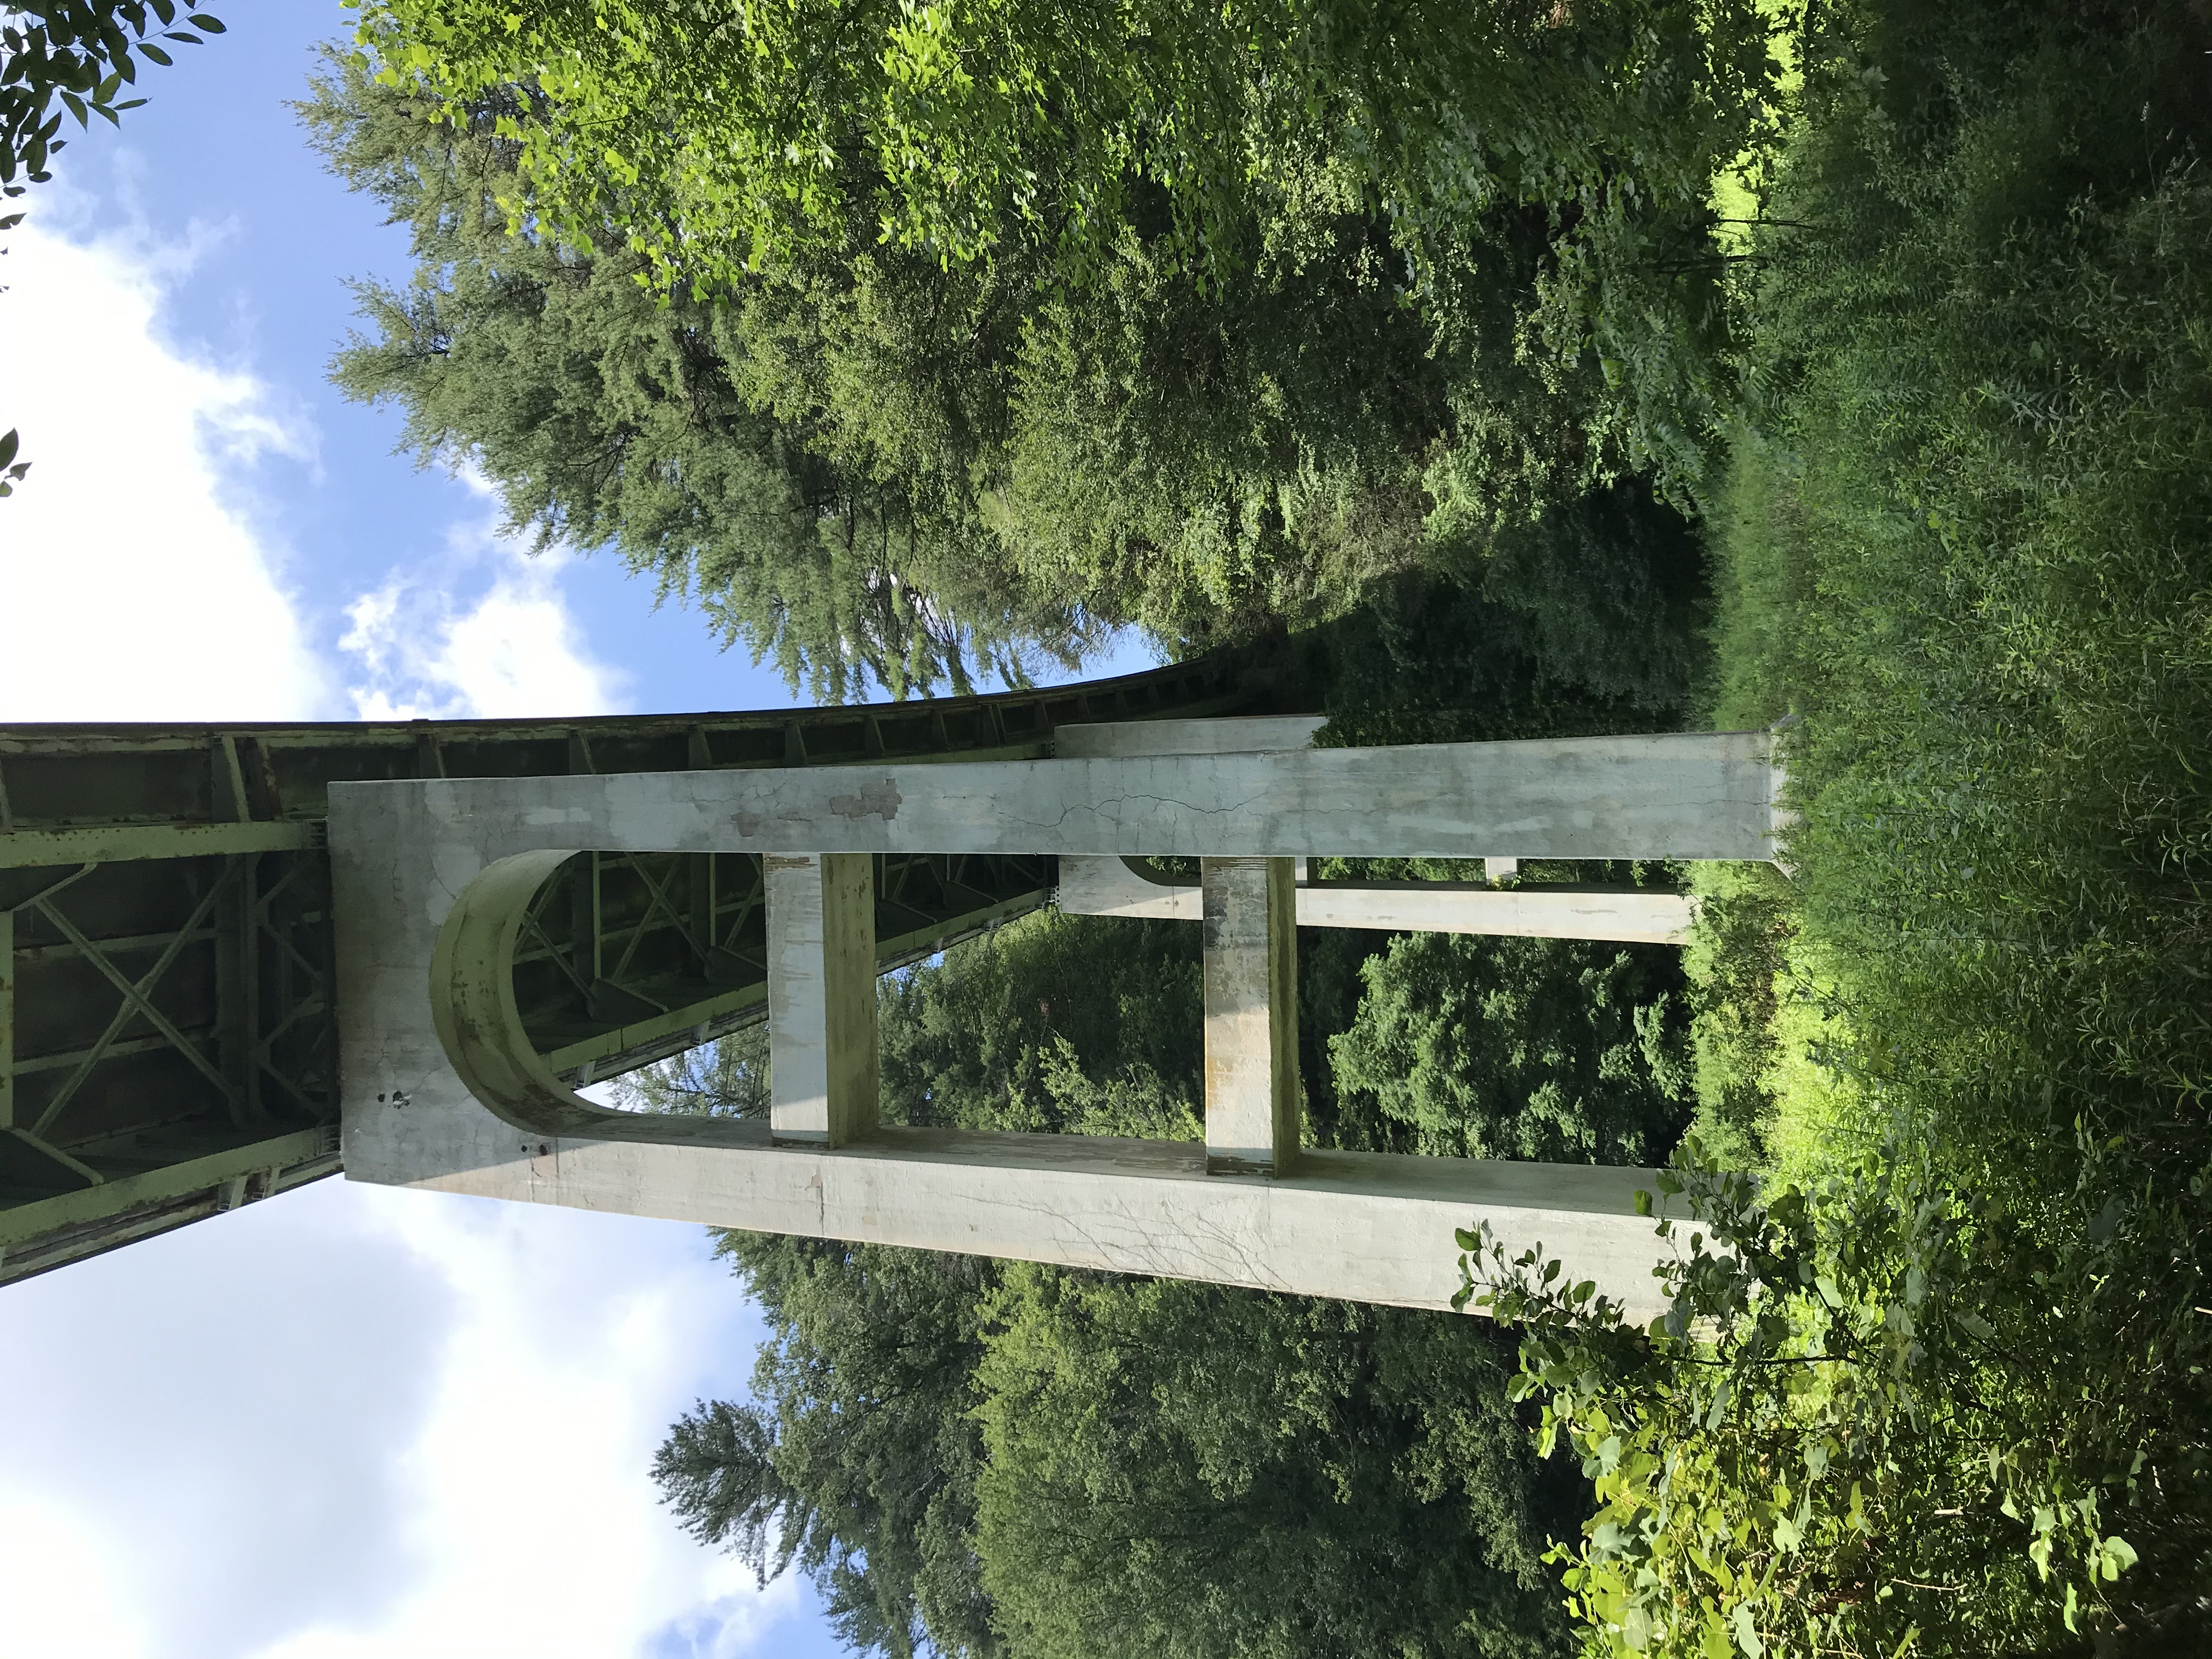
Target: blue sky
pixel 347 1423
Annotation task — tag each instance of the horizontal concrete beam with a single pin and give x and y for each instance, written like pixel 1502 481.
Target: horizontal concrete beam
pixel 1366 1227
pixel 1696 795
pixel 1108 887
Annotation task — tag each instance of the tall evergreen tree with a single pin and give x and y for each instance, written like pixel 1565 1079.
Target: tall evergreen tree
pixel 873 465
pixel 698 441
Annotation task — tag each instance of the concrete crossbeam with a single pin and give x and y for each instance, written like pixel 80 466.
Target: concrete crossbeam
pixel 1365 1227
pixel 1250 966
pixel 1108 887
pixel 1684 795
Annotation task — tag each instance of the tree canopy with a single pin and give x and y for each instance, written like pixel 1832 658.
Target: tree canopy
pixel 873 460
pixel 81 55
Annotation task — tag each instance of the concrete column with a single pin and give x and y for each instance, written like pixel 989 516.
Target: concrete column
pixel 1251 970
pixel 821 997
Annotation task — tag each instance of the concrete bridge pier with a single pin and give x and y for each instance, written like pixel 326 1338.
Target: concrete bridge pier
pixel 435 880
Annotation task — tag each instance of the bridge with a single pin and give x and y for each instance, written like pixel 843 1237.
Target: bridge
pixel 168 1004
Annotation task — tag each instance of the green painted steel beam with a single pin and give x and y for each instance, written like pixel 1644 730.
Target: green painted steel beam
pixel 21 1223
pixel 626 1048
pixel 109 843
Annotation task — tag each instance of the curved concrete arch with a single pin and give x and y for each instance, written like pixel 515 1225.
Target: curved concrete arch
pixel 473 1006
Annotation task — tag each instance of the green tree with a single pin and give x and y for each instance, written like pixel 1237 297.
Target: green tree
pixel 793 461
pixel 1180 1470
pixel 968 132
pixel 1056 1024
pixel 1555 1050
pixel 857 1462
pixel 857 459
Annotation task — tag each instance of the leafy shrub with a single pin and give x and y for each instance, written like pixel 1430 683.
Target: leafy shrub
pixel 1889 1411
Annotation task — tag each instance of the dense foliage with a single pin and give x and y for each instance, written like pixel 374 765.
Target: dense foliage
pixel 967 132
pixel 873 460
pixel 1967 545
pixel 1548 1050
pixel 1964 541
pixel 984 1458
pixel 1891 1410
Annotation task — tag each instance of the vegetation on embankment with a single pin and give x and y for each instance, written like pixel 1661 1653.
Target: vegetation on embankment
pixel 1963 547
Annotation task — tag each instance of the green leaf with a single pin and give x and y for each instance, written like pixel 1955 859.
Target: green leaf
pixel 1746 1633
pixel 1635 1630
pixel 200 20
pixel 1642 1201
pixel 148 49
pixel 9 442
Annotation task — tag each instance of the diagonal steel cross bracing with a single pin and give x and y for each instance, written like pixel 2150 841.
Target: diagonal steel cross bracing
pixel 167 1011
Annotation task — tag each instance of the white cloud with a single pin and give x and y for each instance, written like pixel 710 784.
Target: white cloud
pixel 135 582
pixel 484 632
pixel 354 1423
pixel 347 1423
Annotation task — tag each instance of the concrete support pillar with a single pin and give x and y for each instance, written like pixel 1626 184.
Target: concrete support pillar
pixel 1251 970
pixel 821 997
